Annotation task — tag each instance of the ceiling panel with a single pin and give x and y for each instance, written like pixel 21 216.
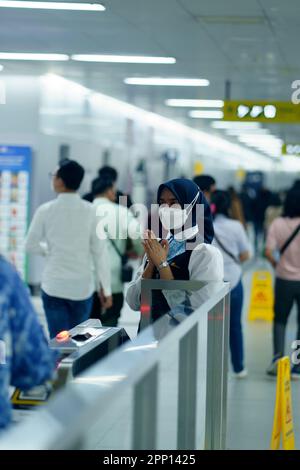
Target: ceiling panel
pixel 252 43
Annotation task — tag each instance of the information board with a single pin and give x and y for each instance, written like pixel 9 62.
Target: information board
pixel 15 170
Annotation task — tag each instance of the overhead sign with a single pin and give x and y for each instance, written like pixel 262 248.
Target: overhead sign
pixel 291 149
pixel 262 111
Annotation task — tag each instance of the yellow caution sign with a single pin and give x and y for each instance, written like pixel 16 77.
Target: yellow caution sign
pixel 262 111
pixel 262 298
pixel 198 168
pixel 240 175
pixel 283 415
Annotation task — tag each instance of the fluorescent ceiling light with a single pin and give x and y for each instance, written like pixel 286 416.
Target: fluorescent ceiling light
pixel 241 132
pixel 263 145
pixel 234 125
pixel 195 103
pixel 32 56
pixel 125 59
pixel 206 114
pixel 160 81
pixel 259 138
pixel 52 5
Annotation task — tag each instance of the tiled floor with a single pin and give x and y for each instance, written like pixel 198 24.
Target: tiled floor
pixel 250 401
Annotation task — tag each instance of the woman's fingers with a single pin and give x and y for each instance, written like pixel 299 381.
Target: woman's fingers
pixel 165 244
pixel 148 244
pixel 147 247
pixel 152 235
pixel 149 235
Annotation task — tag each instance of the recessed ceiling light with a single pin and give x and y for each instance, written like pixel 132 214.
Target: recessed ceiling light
pixel 52 5
pixel 159 81
pixel 234 125
pixel 206 114
pixel 248 130
pixel 180 103
pixel 32 56
pixel 123 59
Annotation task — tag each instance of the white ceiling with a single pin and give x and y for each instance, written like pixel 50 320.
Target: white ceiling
pixel 252 43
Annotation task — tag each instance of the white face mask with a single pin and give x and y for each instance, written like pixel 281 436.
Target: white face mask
pixel 175 217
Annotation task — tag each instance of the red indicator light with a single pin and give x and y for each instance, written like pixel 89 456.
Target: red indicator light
pixel 63 336
pixel 145 310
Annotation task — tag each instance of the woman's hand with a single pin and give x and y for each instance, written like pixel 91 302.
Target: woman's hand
pixel 270 257
pixel 106 301
pixel 156 252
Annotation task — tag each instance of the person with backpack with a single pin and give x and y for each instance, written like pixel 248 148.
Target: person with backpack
pixel 283 252
pixel 121 227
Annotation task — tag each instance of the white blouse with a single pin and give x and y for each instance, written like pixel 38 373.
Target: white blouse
pixel 205 264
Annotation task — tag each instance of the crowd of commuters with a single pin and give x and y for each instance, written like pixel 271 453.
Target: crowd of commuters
pixel 87 263
pixel 275 218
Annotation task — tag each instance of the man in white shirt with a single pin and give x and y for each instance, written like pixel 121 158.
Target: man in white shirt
pixel 120 225
pixel 64 230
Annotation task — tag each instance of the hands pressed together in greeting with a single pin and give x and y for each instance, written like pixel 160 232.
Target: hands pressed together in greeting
pixel 157 253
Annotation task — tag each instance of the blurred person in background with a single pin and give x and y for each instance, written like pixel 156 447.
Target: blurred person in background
pixel 64 231
pixel 207 184
pixel 173 258
pixel 120 226
pixel 259 206
pixel 296 185
pixel 105 172
pixel 283 252
pixel 246 200
pixel 236 208
pixel 109 173
pixel 90 195
pixel 25 358
pixel 231 239
pixel 273 211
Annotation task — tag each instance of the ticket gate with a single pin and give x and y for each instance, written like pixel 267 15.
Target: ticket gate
pixel 77 349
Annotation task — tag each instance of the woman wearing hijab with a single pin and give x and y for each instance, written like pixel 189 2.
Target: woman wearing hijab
pixel 186 253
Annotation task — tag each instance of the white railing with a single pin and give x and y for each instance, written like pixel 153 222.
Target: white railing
pixel 166 389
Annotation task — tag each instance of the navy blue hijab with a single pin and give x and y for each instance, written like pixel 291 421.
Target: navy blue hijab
pixel 185 192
